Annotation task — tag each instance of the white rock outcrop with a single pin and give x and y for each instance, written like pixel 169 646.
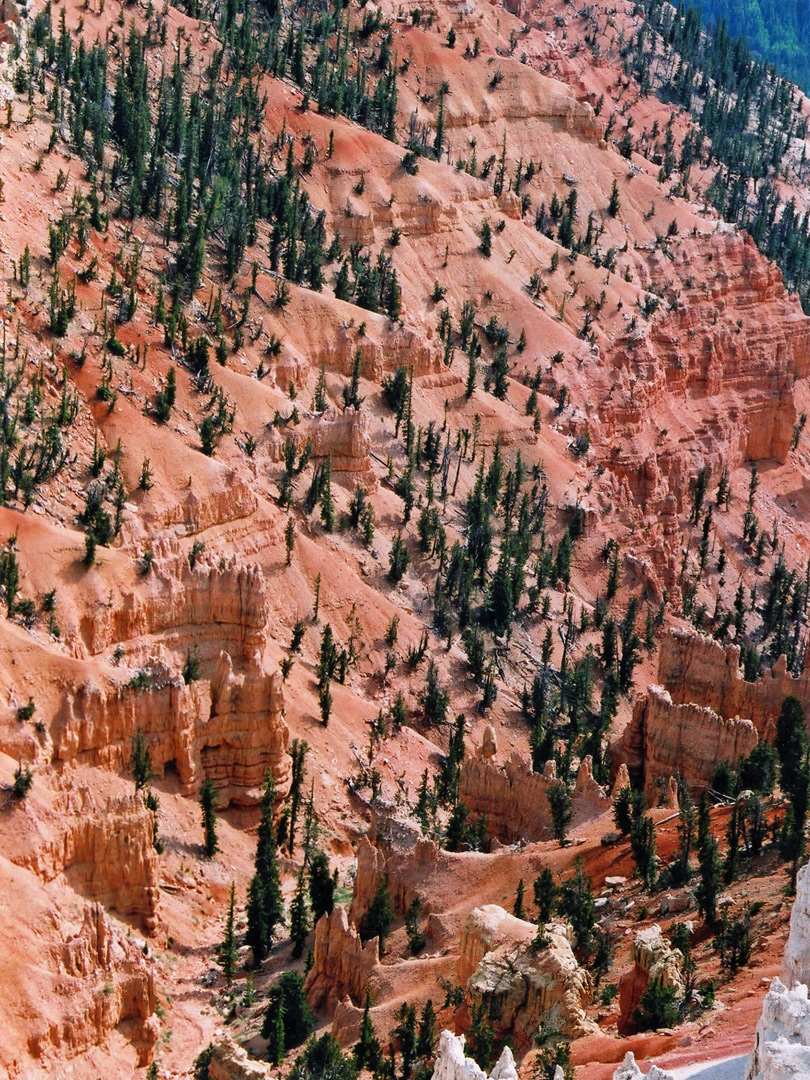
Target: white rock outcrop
pixel 782 1041
pixel 451 1063
pixel 629 1070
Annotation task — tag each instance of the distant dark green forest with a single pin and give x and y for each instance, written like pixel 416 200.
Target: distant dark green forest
pixel 778 30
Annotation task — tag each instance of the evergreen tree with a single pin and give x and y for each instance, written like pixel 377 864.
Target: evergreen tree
pixel 287 997
pixel 517 908
pixel 321 886
pixel 378 918
pixel 208 798
pixel 562 811
pixel 485 246
pixel 298 753
pixel 299 917
pixel 265 907
pixel 227 952
pixel 545 895
pixel 141 761
pixel 426 1038
pixel 708 887
pixel 275 1034
pixel 367 1050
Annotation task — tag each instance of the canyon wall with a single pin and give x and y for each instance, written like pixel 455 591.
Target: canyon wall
pixel 230 728
pixel 735 407
pixel 514 799
pixel 704 711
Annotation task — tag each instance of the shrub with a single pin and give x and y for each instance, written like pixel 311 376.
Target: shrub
pixel 658 1009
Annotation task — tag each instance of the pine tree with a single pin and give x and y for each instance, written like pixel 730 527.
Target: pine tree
pixel 275 1045
pixel 426 1039
pixel 208 798
pixel 517 909
pixel 485 246
pixel 298 753
pixel 299 917
pixel 545 895
pixel 614 203
pixel 562 811
pixel 378 918
pixel 367 1051
pixel 708 887
pixel 321 886
pixel 265 908
pixel 141 761
pixel 227 951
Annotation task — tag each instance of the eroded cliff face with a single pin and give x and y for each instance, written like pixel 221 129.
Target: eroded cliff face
pixel 704 711
pixel 514 799
pixel 666 740
pixel 73 979
pixel 342 966
pixel 698 375
pixel 230 727
pixel 108 984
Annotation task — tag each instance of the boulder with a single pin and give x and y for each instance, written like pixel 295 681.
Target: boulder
pixel 519 986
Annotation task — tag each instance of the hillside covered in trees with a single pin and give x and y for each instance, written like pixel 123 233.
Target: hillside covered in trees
pixel 404 486
pixel 778 32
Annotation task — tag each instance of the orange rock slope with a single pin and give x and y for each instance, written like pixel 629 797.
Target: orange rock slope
pixel 688 354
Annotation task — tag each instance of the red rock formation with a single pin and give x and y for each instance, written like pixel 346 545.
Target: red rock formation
pixel 704 711
pixel 666 740
pixel 341 965
pixel 222 603
pixel 106 853
pixel 344 438
pixel 514 798
pixel 98 982
pixel 694 667
pixel 409 861
pixel 740 406
pixel 232 728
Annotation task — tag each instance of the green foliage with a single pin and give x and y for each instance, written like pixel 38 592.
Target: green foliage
pixel 322 1060
pixel 23 779
pixel 321 886
pixel 398 559
pixel 434 699
pixel 378 918
pixel 550 1058
pixel 562 810
pixel 577 904
pixel 265 906
pixel 287 996
pixel 299 918
pixel 416 939
pixel 658 1008
pixel 208 798
pixel 545 895
pixel 367 1050
pixel 140 761
pixel 227 951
